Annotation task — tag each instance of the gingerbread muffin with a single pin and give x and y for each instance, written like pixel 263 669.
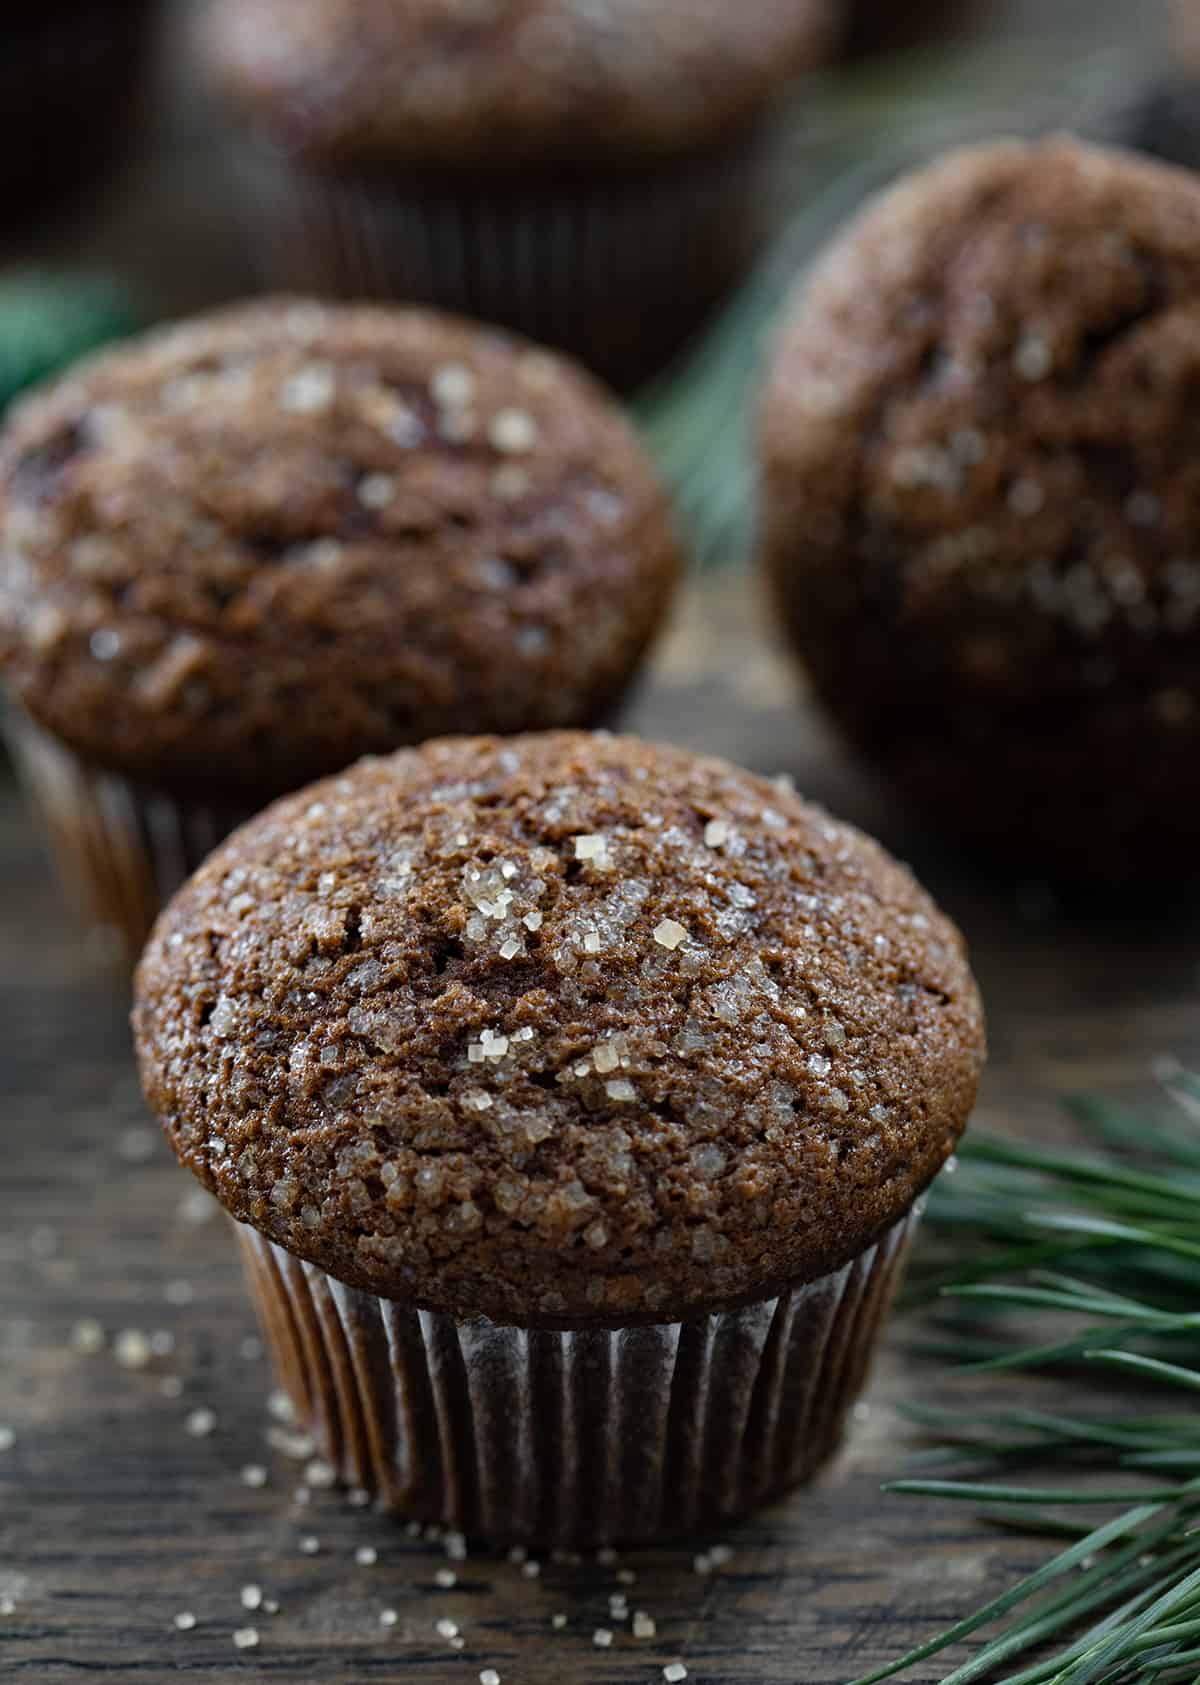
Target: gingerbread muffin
pixel 498 1048
pixel 586 174
pixel 982 500
pixel 240 553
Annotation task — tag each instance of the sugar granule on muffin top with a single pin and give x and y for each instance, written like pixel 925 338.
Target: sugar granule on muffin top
pixel 559 1027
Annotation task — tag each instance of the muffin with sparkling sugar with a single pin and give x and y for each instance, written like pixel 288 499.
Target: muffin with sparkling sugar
pixel 498 1048
pixel 244 551
pixel 983 500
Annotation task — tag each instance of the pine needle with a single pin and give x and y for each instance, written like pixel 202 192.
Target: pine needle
pixel 47 321
pixel 1130 1613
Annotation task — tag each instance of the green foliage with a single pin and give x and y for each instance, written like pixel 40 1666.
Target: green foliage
pixel 47 321
pixel 1099 1252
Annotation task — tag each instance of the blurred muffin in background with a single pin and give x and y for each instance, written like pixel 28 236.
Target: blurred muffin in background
pixel 586 174
pixel 71 73
pixel 979 442
pixel 605 1082
pixel 238 554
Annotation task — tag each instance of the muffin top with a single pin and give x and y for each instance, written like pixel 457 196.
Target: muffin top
pixel 560 1028
pixel 979 437
pixel 491 84
pixel 244 551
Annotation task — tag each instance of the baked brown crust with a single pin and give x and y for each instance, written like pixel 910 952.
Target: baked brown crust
pixel 242 552
pixel 495 84
pixel 558 1029
pixel 982 487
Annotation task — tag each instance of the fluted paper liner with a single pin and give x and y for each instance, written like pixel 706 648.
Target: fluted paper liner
pixel 617 271
pixel 573 1438
pixel 122 850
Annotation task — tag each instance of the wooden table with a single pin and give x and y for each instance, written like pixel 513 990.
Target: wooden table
pixel 114 1518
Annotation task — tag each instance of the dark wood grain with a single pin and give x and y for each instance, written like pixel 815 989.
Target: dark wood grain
pixel 113 1518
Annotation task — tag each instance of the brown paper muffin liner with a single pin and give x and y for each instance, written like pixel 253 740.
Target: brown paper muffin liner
pixel 573 1438
pixel 122 850
pixel 617 270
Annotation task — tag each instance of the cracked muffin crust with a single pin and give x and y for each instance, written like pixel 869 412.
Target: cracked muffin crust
pixel 243 551
pixel 978 441
pixel 496 84
pixel 559 1029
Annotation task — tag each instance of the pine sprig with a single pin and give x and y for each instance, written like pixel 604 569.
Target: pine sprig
pixel 1120 1603
pixel 47 321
